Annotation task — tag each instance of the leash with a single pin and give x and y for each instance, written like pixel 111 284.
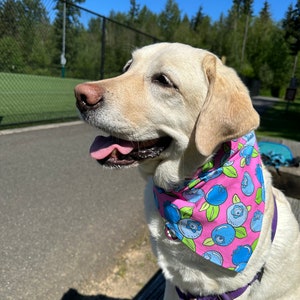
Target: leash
pixel 234 294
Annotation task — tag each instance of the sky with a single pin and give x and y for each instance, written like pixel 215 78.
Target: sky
pixel 212 8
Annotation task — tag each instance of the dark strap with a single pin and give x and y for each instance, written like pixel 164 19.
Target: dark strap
pixel 234 294
pixel 226 296
pixel 275 220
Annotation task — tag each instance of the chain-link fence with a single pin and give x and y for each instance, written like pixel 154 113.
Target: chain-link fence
pixel 47 47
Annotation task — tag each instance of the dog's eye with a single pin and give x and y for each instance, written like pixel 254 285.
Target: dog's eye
pixel 163 80
pixel 127 66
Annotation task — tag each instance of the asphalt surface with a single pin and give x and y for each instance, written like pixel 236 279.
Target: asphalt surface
pixel 261 104
pixel 63 219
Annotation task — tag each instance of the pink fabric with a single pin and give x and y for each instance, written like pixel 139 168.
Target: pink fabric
pixel 218 213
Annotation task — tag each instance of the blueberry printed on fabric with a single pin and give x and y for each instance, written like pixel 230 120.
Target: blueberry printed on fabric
pixel 218 213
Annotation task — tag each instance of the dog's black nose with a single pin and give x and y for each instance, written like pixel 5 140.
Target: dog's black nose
pixel 88 96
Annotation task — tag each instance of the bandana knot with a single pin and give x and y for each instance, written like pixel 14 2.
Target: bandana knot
pixel 218 213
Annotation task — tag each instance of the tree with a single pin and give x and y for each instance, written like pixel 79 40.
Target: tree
pixel 184 34
pixel 9 18
pixel 88 57
pixel 32 21
pixel 247 11
pixel 219 33
pixel 148 22
pixel 233 33
pixel 291 26
pixel 11 55
pixel 200 26
pixel 265 14
pixel 279 61
pixel 260 42
pixel 169 20
pixel 133 12
pixel 267 52
pixel 23 21
pixel 197 19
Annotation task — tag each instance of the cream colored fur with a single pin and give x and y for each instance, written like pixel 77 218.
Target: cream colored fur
pixel 204 105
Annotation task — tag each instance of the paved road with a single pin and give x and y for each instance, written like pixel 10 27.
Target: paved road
pixel 261 104
pixel 63 218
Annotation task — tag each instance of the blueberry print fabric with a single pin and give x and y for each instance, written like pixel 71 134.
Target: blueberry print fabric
pixel 219 212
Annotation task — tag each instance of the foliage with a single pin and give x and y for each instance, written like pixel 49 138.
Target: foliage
pixel 256 46
pixel 11 55
pixel 169 20
pixel 291 26
pixel 21 25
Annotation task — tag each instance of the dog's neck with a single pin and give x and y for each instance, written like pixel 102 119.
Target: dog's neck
pixel 218 213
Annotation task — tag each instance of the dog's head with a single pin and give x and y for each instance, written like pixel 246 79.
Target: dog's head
pixel 170 111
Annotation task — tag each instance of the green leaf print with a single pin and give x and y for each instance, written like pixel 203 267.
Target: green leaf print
pixel 240 232
pixel 208 242
pixel 236 199
pixel 204 206
pixel 258 197
pixel 186 212
pixel 243 162
pixel 193 183
pixel 230 171
pixel 212 213
pixel 190 243
pixel 253 246
pixel 254 153
pixel 209 165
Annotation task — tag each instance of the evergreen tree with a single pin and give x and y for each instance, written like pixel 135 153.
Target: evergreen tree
pixel 169 20
pixel 247 11
pixel 148 22
pixel 200 26
pixel 184 34
pixel 233 33
pixel 10 14
pixel 88 57
pixel 23 21
pixel 265 13
pixel 267 52
pixel 133 12
pixel 218 37
pixel 34 19
pixel 291 26
pixel 197 20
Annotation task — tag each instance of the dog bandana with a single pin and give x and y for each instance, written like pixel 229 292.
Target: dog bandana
pixel 218 213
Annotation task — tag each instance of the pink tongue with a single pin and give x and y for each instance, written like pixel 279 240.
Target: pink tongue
pixel 103 146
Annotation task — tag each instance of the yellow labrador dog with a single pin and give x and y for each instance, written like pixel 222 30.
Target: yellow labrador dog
pixel 219 229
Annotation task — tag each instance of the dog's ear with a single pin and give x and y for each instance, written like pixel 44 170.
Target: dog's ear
pixel 227 112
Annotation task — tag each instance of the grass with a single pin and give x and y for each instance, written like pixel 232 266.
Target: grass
pixel 30 98
pixel 280 122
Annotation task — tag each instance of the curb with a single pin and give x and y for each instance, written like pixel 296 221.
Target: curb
pixel 39 127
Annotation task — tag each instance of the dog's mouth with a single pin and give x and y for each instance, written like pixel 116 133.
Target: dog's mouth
pixel 114 152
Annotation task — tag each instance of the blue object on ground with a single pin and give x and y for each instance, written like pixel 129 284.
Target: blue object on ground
pixel 277 155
